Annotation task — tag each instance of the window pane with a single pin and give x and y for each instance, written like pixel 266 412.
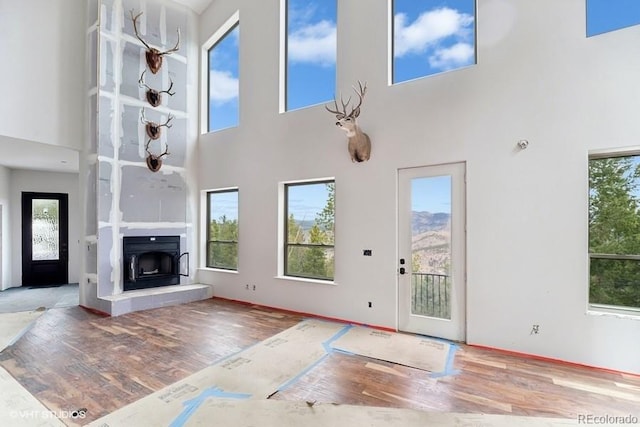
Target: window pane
pixel 614 225
pixel 615 282
pixel 311 52
pixel 614 230
pixel 222 248
pixel 44 230
pixel 609 15
pixel 432 36
pixel 310 221
pixel 223 82
pixel 310 262
pixel 222 255
pixel 431 246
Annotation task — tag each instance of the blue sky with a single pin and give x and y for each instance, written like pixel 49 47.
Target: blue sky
pixel 223 82
pixel 306 201
pixel 224 203
pixel 609 15
pixel 432 36
pixel 431 194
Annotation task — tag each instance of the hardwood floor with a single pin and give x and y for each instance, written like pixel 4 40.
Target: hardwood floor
pixel 74 359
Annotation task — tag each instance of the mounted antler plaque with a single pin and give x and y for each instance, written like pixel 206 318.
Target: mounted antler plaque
pixel 154 163
pixel 154 97
pixel 359 144
pixel 152 128
pixel 153 55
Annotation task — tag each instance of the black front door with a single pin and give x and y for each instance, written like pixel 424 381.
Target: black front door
pixel 45 234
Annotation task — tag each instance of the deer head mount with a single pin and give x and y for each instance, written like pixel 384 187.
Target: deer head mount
pixel 154 97
pixel 152 128
pixel 154 163
pixel 153 55
pixel 359 144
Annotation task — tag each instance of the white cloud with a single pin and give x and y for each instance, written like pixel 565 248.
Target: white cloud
pixel 223 86
pixel 428 29
pixel 458 55
pixel 315 43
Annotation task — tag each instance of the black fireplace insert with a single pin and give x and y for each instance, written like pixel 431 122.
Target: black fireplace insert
pixel 151 261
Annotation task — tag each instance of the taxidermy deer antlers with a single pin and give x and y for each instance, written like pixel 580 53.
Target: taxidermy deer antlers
pixel 359 144
pixel 153 55
pixel 154 97
pixel 154 163
pixel 153 128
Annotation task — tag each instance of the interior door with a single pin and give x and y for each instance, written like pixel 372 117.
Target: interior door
pixel 431 251
pixel 45 218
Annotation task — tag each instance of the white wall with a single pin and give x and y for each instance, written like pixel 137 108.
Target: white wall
pixel 42 56
pixel 5 235
pixel 538 77
pixel 47 182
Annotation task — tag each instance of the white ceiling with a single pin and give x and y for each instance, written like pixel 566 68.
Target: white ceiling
pixel 197 5
pixel 22 154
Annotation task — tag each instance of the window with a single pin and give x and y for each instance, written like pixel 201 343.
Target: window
pixel 222 229
pixel 614 232
pixel 310 52
pixel 610 15
pixel 309 230
pixel 223 87
pixel 431 36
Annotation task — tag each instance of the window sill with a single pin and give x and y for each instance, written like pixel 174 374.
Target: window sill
pixel 621 313
pixel 304 280
pixel 217 270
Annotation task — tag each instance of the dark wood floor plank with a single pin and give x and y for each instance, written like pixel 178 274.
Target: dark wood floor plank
pixel 72 359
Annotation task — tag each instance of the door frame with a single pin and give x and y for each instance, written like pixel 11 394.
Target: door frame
pixel 29 277
pixel 441 328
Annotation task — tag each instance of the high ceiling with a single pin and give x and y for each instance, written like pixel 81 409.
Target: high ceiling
pixel 23 154
pixel 197 5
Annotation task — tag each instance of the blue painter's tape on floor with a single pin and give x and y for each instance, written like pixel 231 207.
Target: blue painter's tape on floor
pixel 449 365
pixel 193 404
pixel 328 350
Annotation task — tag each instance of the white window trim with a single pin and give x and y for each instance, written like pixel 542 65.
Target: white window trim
pixel 204 200
pixel 282 221
pixel 204 68
pixel 603 309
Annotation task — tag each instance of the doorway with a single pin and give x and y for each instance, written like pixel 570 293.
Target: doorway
pixel 45 234
pixel 432 251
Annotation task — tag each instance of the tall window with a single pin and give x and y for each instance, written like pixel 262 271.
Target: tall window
pixel 431 36
pixel 310 52
pixel 610 15
pixel 222 229
pixel 614 232
pixel 223 80
pixel 309 229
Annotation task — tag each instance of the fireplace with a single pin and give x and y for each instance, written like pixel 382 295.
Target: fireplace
pixel 151 261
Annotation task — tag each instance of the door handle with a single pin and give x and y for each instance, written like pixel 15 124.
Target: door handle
pixel 402 270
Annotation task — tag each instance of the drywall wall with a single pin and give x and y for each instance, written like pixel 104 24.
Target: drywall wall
pixel 46 182
pixel 537 78
pixel 42 55
pixel 5 235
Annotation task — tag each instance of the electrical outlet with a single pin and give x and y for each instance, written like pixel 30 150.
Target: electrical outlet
pixel 535 330
pixel 254 287
pixel 367 252
pixel 370 305
pixel 247 287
